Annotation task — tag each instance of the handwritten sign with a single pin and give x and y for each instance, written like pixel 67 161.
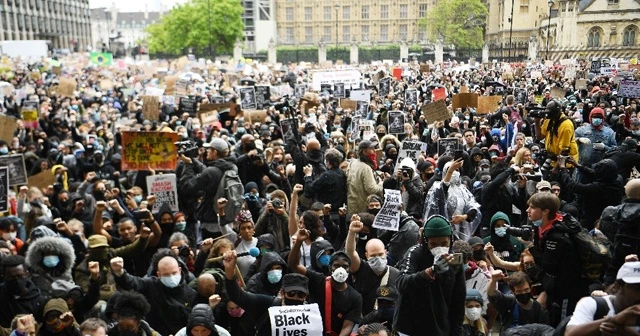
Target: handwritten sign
pixel 388 218
pixel 66 87
pixel 488 104
pixel 165 188
pixel 188 104
pixel 581 84
pixel 7 128
pixel 558 93
pixel 463 100
pixel 411 149
pixel 439 94
pixel 296 320
pixel 150 108
pixel 42 180
pixel 149 150
pixel 436 111
pixel 629 89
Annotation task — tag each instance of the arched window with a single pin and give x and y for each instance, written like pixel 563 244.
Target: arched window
pixel 629 36
pixel 594 37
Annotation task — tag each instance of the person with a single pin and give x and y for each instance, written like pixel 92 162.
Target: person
pixel 370 274
pixel 621 311
pixel 93 327
pixel 502 243
pixel 167 291
pixel 626 157
pixel 202 321
pixel 274 220
pixel 375 329
pixel 361 181
pixel 594 135
pixel 245 241
pixel 346 302
pixel 407 180
pixel 269 280
pixel 519 307
pixel 50 259
pixel 18 292
pixel 386 299
pixel 478 269
pixel 58 320
pixel 558 132
pixel 328 187
pixel 131 308
pixel 197 177
pixel 432 290
pixel 474 324
pixel 499 195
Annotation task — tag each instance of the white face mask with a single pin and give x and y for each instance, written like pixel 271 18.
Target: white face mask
pixel 455 177
pixel 340 275
pixel 9 236
pixel 473 314
pixel 436 251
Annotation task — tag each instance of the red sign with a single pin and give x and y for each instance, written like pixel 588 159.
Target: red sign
pixel 397 73
pixel 439 94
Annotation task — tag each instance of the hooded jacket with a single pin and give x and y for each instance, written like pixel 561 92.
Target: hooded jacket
pixel 508 248
pixel 361 182
pixel 606 189
pixel 259 283
pixel 264 239
pixel 412 189
pixel 32 302
pixel 316 250
pixel 600 134
pixel 43 276
pixel 201 315
pixel 622 219
pixel 398 242
pixel 167 229
pixel 58 305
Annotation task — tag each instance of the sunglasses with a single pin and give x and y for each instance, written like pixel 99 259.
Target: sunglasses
pixel 298 294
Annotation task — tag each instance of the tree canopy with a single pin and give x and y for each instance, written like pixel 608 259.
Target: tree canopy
pixel 457 22
pixel 194 23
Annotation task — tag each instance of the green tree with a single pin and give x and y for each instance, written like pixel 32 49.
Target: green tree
pixel 197 23
pixel 457 22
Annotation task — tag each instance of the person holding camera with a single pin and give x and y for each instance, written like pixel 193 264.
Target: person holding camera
pixel 408 181
pixel 275 220
pixel 557 131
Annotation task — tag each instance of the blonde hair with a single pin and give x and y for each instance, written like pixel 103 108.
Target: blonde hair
pixel 518 159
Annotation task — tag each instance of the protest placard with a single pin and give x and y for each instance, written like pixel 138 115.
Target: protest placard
pixel 255 116
pixel 448 146
pixel 367 127
pixel 150 107
pixel 149 150
pixel 181 86
pixel 396 122
pixel 66 87
pixel 152 91
pixel 17 168
pixel 42 180
pixel 348 104
pixel 170 85
pixel 7 128
pixel 263 96
pixel 488 104
pixel 384 86
pixel 56 70
pixel 424 68
pixel 411 97
pixel 299 90
pixel 396 73
pixel 165 188
pixel 463 100
pixel 388 218
pixel 29 112
pixel 350 78
pixel 536 74
pixel 362 108
pixel 464 89
pixel 248 98
pixel 436 111
pixel 360 95
pixel 208 116
pixel 629 89
pixel 296 320
pixel 558 92
pixel 538 99
pixel 4 189
pixel 412 150
pixel 188 104
pixel 439 94
pixel 106 84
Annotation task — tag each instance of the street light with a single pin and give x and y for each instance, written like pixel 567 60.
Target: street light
pixel 337 7
pixel 550 2
pixel 511 27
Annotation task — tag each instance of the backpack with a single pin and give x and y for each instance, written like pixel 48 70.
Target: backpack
pixel 231 188
pixel 602 309
pixel 594 255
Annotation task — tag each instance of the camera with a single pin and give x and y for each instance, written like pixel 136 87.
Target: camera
pixel 188 148
pixel 184 251
pixel 407 172
pixel 277 203
pixel 537 112
pixel 141 215
pixel 525 232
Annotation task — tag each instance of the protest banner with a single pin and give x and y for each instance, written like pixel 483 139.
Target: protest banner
pixel 188 104
pixel 248 98
pixel 362 108
pixel 360 95
pixel 56 70
pixel 296 320
pixel 149 150
pixel 439 94
pixel 66 87
pixel 388 218
pixel 263 96
pixel 410 149
pixel 488 104
pixel 4 189
pixel 463 100
pixel 348 104
pixel 150 107
pixel 448 146
pixel 629 89
pixel 181 87
pixel 558 92
pixel 424 68
pixel 165 188
pixel 384 86
pixel 300 89
pixel 536 74
pixel 29 113
pixel 538 99
pixel 350 78
pixel 396 73
pixel 17 168
pixel 42 180
pixel 411 97
pixel 396 122
pixel 207 117
pixel 436 111
pixel 7 128
pixel 581 84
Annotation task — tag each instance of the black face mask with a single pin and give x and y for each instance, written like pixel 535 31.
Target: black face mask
pixel 18 286
pixel 478 255
pixel 429 175
pixel 293 302
pixel 373 211
pixel 523 298
pixel 534 272
pixel 393 156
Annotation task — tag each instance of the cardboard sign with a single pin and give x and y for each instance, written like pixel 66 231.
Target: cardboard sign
pixel 439 94
pixel 396 122
pixel 412 150
pixel 56 70
pixel 165 188
pixel 208 117
pixel 181 87
pixel 42 180
pixel 488 104
pixel 464 89
pixel 448 146
pixel 424 68
pixel 150 107
pixel 536 74
pixel 106 84
pixel 170 88
pixel 436 111
pixel 248 98
pixel 66 87
pixel 17 169
pixel 7 128
pixel 296 320
pixel 149 150
pixel 581 84
pixel 255 116
pixel 463 100
pixel 558 93
pixel 388 218
pixel 348 104
pixel 151 91
pixel 4 189
pixel 629 89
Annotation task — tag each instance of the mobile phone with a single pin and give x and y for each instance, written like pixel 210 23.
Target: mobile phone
pixel 457 154
pixel 141 215
pixel 457 259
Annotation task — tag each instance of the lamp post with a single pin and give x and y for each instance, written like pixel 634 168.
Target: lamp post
pixel 550 2
pixel 337 7
pixel 511 28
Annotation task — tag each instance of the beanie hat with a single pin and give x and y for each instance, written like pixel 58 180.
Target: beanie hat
pixel 474 295
pixel 500 215
pixel 437 226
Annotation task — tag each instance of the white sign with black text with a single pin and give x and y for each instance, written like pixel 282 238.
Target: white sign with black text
pixel 301 320
pixel 165 188
pixel 388 218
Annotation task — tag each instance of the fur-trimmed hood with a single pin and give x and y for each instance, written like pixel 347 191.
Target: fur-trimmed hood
pixel 51 246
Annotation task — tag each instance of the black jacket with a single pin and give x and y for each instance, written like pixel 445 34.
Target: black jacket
pixel 414 188
pixel 30 303
pixel 438 304
pixel 259 283
pixel 626 161
pixel 498 197
pixel 328 188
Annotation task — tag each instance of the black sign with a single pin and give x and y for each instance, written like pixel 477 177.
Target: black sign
pixel 263 96
pixel 300 90
pixel 448 146
pixel 325 90
pixel 248 98
pixel 4 189
pixel 17 170
pixel 188 104
pixel 396 122
pixel 384 86
pixel 285 125
pixel 338 90
pixel 521 96
pixel 595 66
pixel 411 97
pixel 362 109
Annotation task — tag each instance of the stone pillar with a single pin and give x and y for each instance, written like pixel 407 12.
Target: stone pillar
pixel 485 53
pixel 439 52
pixel 353 55
pixel 271 53
pixel 533 48
pixel 322 52
pixel 237 51
pixel 404 50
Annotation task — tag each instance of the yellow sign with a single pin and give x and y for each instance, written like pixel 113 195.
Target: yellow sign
pixel 149 150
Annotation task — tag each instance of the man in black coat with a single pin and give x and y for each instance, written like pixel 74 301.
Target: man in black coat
pixel 18 293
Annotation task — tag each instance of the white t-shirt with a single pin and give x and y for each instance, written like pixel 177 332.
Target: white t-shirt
pixel 244 263
pixel 585 310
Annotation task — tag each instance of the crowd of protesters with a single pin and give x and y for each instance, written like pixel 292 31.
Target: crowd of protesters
pixel 530 227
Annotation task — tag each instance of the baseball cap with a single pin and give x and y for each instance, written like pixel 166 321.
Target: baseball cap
pixel 475 241
pixel 98 241
pixel 388 293
pixel 484 162
pixel 629 272
pixel 295 282
pixel 543 184
pixel 366 144
pixel 217 144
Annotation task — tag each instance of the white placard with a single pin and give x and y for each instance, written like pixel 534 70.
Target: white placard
pixel 360 95
pixel 388 218
pixel 350 78
pixel 165 188
pixel 151 91
pixel 607 70
pixel 629 89
pixel 296 320
pixel 411 149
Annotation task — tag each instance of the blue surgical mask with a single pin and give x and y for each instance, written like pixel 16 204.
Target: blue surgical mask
pixel 181 226
pixel 274 276
pixel 501 231
pixel 137 198
pixel 4 150
pixel 596 121
pixel 324 260
pixel 51 261
pixel 537 223
pixel 171 281
pixel 75 107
